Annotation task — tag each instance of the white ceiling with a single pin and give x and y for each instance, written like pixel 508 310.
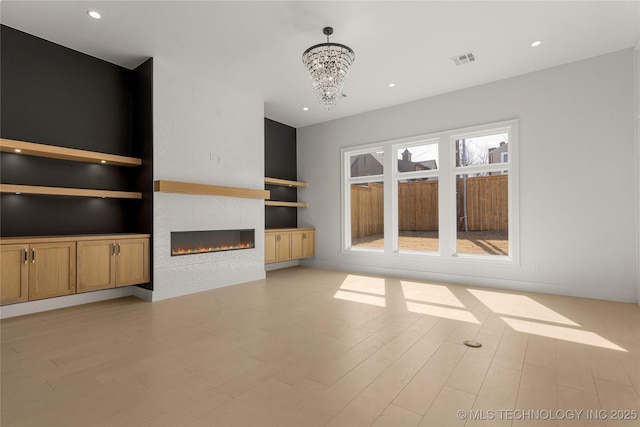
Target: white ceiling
pixel 257 46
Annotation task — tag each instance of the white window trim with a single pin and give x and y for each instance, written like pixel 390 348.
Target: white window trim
pixel 510 127
pixel 347 180
pixel 396 176
pixel 446 174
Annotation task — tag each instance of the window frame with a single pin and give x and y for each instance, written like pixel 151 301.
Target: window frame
pixel 446 173
pixel 347 181
pixel 511 128
pixel 396 176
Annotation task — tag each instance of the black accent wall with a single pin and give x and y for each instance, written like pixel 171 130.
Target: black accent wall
pixel 143 148
pixel 280 162
pixel 143 141
pixel 57 96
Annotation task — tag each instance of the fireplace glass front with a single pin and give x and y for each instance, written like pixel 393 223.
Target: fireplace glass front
pixel 198 242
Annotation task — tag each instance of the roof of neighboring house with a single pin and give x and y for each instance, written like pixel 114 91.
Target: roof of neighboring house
pixel 403 165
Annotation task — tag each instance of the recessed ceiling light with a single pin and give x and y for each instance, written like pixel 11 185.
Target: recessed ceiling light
pixel 536 43
pixel 18 193
pixel 392 85
pixel 305 108
pixel 17 150
pixel 103 161
pixel 94 14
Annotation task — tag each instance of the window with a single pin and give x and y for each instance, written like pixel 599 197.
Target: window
pixel 417 196
pixel 449 195
pixel 482 193
pixel 365 171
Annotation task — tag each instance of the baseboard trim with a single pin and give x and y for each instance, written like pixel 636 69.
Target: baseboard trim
pixel 31 307
pixel 279 265
pixel 472 281
pixel 192 288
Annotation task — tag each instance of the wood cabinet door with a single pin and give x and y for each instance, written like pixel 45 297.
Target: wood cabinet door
pixel 270 252
pixel 284 246
pixel 309 244
pixel 297 241
pixel 14 274
pixel 132 262
pixel 96 265
pixel 52 270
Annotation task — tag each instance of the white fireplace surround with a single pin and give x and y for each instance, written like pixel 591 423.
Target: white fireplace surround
pixel 209 134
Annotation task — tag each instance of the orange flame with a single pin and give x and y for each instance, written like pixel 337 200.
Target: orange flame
pixel 204 249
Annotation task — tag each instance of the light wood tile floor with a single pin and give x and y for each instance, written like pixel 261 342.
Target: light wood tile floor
pixel 310 347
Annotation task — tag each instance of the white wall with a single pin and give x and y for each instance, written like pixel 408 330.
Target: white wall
pixel 578 222
pixel 205 133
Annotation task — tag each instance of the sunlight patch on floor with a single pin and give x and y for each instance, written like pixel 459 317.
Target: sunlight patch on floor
pixel 370 285
pixel 361 298
pixel 426 292
pixel 519 306
pixel 447 313
pixel 561 333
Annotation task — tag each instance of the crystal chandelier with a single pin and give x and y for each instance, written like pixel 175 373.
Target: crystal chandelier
pixel 328 65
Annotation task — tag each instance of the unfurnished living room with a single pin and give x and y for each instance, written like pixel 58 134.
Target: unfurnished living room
pixel 319 213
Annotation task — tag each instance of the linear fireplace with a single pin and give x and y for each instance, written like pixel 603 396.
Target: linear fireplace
pixel 198 242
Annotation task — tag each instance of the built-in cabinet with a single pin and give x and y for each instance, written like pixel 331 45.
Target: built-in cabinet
pixel 284 241
pixel 288 244
pixel 37 270
pixel 46 267
pixel 77 167
pixel 302 243
pixel 277 246
pixel 52 269
pixel 104 264
pixel 14 273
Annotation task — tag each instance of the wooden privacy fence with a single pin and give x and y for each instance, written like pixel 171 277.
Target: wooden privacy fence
pixel 418 205
pixel 487 206
pixel 367 210
pixel 487 203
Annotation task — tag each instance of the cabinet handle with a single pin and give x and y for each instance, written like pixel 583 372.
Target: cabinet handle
pixel 33 255
pixel 113 249
pixel 118 248
pixel 26 256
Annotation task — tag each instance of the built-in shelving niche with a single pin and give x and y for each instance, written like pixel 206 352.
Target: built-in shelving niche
pixel 79 150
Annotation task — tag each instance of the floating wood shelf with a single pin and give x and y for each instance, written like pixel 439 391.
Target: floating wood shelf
pixel 209 190
pixel 62 153
pixel 63 191
pixel 284 182
pixel 285 204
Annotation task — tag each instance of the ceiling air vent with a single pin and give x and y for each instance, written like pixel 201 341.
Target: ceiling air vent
pixel 464 58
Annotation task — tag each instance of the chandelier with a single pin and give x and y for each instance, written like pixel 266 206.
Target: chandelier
pixel 328 65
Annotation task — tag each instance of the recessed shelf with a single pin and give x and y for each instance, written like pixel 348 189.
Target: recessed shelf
pixel 284 182
pixel 63 191
pixel 62 153
pixel 285 204
pixel 209 190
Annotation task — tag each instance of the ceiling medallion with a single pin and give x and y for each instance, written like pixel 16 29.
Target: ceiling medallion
pixel 328 65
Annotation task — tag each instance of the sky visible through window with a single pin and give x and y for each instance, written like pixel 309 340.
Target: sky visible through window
pixel 477 147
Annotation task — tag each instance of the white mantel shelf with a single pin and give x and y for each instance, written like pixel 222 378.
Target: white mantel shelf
pixel 209 190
